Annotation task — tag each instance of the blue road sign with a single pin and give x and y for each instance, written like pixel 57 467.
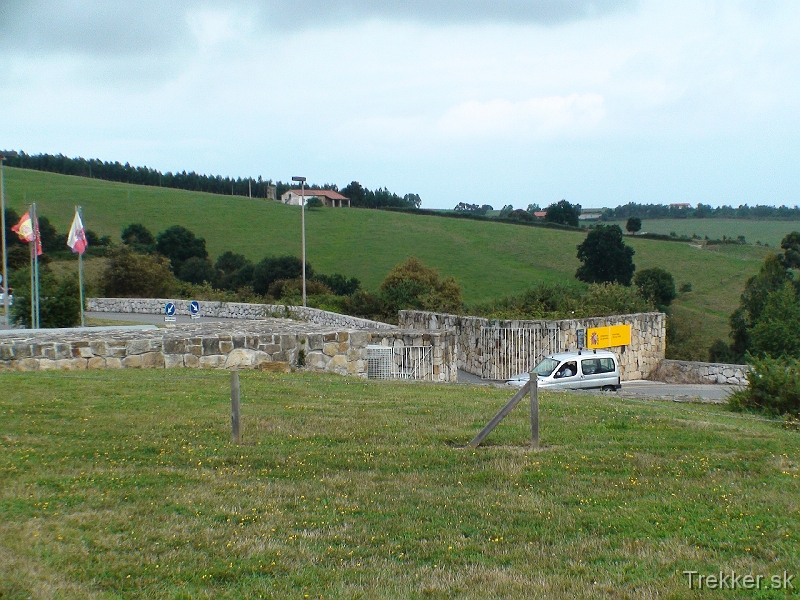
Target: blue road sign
pixel 195 307
pixel 169 309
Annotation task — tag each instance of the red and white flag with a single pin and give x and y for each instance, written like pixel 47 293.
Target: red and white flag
pixel 77 235
pixel 28 231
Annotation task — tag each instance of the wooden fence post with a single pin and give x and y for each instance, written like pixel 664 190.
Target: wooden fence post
pixel 237 438
pixel 523 391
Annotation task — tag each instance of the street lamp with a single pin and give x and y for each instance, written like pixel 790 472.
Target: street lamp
pixel 3 228
pixel 302 181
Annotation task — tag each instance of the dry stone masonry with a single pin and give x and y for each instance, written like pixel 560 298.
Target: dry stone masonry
pixel 682 371
pixel 232 310
pixel 267 344
pixel 637 361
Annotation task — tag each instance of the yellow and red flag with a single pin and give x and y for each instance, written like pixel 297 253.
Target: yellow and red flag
pixel 28 230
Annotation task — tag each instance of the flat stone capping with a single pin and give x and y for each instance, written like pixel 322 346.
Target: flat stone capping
pixel 64 330
pixel 684 371
pixel 266 344
pixel 232 310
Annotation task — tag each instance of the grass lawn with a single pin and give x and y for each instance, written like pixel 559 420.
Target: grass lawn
pixel 125 485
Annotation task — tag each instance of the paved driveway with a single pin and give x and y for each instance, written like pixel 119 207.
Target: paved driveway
pixel 676 392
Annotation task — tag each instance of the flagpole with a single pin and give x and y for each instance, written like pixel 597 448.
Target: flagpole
pixel 36 242
pixel 5 248
pixel 80 270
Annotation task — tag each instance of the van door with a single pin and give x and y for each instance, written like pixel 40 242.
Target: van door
pixel 567 375
pixel 598 371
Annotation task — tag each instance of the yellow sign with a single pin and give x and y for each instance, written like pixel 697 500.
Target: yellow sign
pixel 606 337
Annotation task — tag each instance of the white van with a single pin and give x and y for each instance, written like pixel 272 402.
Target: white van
pixel 575 370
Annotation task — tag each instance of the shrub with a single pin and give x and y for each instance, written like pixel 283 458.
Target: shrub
pixel 339 284
pixel 773 388
pixel 293 288
pixel 656 285
pixel 197 270
pixel 59 299
pixel 273 268
pixel 129 274
pixel 412 285
pixel 179 244
pixel 720 352
pixel 138 238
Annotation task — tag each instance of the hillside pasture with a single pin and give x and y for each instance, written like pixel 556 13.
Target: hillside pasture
pixel 767 232
pixel 489 260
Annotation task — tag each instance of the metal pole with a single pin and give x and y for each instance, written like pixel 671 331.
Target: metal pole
pixel 534 410
pixel 80 269
pixel 5 254
pixel 303 224
pixel 36 242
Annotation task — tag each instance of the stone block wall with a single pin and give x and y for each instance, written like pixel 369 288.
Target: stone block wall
pixel 266 344
pixel 232 310
pixel 637 361
pixel 682 371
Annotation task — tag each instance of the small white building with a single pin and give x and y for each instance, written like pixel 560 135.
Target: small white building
pixel 328 197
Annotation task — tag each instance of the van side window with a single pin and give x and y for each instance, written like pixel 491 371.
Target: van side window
pixel 593 366
pixel 606 365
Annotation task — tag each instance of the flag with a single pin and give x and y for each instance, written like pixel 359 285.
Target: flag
pixel 24 229
pixel 28 231
pixel 77 235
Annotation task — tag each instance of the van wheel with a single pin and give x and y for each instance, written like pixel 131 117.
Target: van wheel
pixel 609 388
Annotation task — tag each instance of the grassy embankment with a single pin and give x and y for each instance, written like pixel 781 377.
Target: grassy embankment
pixel 124 485
pixel 488 259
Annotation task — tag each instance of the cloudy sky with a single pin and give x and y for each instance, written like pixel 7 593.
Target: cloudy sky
pixel 600 102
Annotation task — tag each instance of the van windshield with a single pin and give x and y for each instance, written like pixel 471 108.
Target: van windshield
pixel 545 367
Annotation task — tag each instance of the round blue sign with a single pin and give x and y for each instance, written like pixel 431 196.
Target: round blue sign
pixel 169 309
pixel 194 307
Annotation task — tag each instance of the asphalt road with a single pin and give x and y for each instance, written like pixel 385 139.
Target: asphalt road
pixel 151 319
pixel 676 392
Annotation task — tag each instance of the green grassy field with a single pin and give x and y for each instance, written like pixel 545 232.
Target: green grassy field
pixel 125 485
pixel 766 232
pixel 488 259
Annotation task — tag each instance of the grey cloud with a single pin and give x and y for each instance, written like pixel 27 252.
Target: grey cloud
pixel 120 27
pixel 445 11
pixel 103 27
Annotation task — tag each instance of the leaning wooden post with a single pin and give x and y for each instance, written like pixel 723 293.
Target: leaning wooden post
pixel 476 441
pixel 235 407
pixel 534 410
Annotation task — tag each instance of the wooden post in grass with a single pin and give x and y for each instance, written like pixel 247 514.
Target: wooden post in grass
pixel 235 407
pixel 534 410
pixel 523 391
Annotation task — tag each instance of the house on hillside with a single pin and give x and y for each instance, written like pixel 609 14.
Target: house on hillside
pixel 327 197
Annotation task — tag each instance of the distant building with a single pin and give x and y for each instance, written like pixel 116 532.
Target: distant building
pixel 590 214
pixel 540 214
pixel 328 197
pixel 680 205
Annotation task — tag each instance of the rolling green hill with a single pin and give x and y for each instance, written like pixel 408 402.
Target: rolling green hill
pixel 767 232
pixel 488 259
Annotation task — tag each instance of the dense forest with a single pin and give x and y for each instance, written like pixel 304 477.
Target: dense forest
pixel 195 182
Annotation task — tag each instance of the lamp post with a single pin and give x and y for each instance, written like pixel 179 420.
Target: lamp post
pixel 5 251
pixel 302 181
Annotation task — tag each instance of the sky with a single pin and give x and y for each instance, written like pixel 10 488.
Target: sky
pixel 599 102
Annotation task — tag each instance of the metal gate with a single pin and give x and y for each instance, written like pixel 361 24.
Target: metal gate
pixel 406 362
pixel 508 351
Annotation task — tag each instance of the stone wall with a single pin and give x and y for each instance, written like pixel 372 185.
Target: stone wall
pixel 232 310
pixel 682 371
pixel 269 344
pixel 637 361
